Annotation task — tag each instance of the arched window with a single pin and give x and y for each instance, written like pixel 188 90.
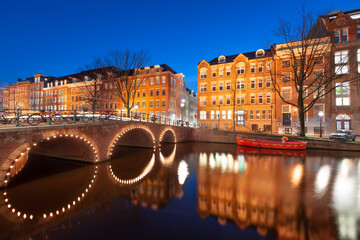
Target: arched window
pixel 222 59
pixel 343 121
pixel 260 53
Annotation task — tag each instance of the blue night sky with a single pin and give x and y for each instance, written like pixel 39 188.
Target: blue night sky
pixel 55 38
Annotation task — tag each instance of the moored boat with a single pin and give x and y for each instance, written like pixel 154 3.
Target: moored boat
pixel 287 145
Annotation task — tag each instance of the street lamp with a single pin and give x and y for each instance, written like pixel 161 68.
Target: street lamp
pixel 321 114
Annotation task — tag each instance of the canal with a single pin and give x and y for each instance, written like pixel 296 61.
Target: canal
pixel 186 191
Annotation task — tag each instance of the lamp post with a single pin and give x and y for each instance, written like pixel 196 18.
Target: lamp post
pixel 271 118
pixel 321 114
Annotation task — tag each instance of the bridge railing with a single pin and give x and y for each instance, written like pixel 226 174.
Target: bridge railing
pixel 20 117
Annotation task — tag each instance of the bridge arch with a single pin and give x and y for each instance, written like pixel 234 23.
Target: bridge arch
pixel 137 179
pixel 18 158
pixel 17 214
pixel 127 130
pixel 167 135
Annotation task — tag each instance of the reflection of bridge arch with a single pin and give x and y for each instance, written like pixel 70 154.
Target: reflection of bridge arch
pixel 17 160
pixel 126 130
pixel 168 161
pixel 144 173
pixel 18 215
pixel 163 135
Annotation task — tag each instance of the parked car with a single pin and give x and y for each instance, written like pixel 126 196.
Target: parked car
pixel 343 135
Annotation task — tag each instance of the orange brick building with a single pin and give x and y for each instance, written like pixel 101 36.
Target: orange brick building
pixel 236 86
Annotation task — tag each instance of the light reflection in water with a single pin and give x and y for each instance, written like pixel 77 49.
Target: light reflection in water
pixel 322 180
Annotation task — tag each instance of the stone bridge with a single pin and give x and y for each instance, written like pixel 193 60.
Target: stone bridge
pixel 92 142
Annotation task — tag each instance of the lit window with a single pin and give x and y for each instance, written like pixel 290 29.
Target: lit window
pixel 342 94
pixel 286 93
pixel 151 81
pixel 202 114
pixel 285 63
pixel 163 80
pixel 229 114
pixel 223 113
pixel 212 115
pixel 341 62
pixel 203 101
pixel 257 114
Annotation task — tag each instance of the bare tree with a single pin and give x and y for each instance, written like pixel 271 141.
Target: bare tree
pixel 305 46
pixel 122 68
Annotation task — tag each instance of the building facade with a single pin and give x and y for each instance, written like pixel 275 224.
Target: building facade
pixel 159 93
pixel 234 92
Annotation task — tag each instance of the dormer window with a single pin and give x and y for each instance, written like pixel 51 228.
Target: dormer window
pixel 56 83
pixel 147 70
pixel 222 59
pixel 260 53
pixel 157 68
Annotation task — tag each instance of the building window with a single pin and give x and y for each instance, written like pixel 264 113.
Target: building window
pixel 260 83
pixel 222 59
pixel 203 87
pixel 202 114
pixel 163 91
pixel 214 73
pixel 203 101
pixel 228 100
pixel 212 114
pixel 358 33
pixel 163 103
pixel 285 63
pixel 268 98
pixel 238 85
pixel 163 80
pixel 203 73
pixel 260 98
pixel 221 86
pixel 341 62
pixel 223 114
pixel 228 85
pixel 252 99
pixel 144 104
pixel 221 100
pixel 342 94
pixel 144 82
pixel 252 67
pixel 229 114
pixel 344 35
pixel 286 93
pixel 157 80
pixel 336 36
pixel 157 92
pixel 318 60
pixel 270 114
pixel 268 82
pixel 285 77
pixel 260 67
pixel 252 83
pixel 240 69
pixel 257 114
pixel 263 114
pixel 213 100
pixel 251 114
pixel 151 92
pixel 151 104
pixel 151 81
pixel 228 71
pixel 213 87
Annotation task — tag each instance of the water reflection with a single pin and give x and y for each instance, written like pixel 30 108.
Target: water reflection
pixel 207 189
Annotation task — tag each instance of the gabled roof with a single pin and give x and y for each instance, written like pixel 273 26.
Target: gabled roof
pixel 249 55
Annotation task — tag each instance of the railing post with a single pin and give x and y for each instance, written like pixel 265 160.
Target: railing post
pixel 17 124
pixel 74 118
pixel 49 118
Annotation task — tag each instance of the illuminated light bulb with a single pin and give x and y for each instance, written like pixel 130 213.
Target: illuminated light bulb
pixel 6 200
pixel 24 216
pixel 7 174
pixel 11 166
pixel 69 206
pixel 44 216
pixel 79 199
pixel 28 148
pixel 5 181
pixel 77 136
pixel 83 195
pixel 34 144
pixel 74 203
pixel 21 154
pixel 9 205
pixel 57 212
pixel 81 138
pixel 48 138
pixel 31 217
pixel 18 213
pixel 16 160
pixel 13 210
pixel 88 141
pixel 66 135
pixel 51 214
pixel 60 135
pixel 54 136
pixel 63 209
pixel 4 193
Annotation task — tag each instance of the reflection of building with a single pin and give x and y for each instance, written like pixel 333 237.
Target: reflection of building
pixel 157 191
pixel 261 191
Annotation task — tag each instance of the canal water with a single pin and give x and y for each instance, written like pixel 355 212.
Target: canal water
pixel 186 191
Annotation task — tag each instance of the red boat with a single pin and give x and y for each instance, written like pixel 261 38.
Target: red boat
pixel 247 142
